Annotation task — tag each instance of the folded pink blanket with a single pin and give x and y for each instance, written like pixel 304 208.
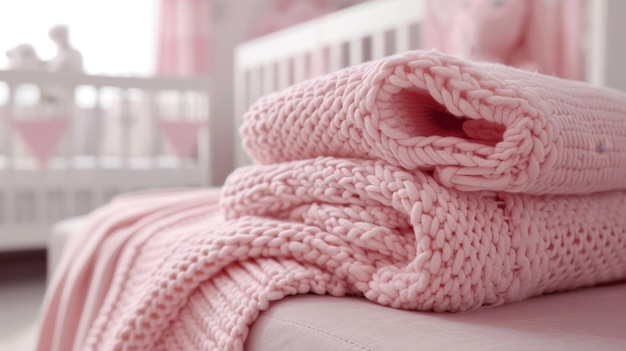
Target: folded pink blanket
pixel 349 202
pixel 477 126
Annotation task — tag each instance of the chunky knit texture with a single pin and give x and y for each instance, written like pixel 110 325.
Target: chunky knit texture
pixel 478 126
pixel 362 196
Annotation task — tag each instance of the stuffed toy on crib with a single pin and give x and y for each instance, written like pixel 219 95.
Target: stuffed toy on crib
pixel 24 57
pixel 538 35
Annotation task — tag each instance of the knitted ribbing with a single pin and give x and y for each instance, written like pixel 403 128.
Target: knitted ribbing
pixel 479 126
pixel 345 226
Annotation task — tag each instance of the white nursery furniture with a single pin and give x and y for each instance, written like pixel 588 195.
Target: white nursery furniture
pixel 113 141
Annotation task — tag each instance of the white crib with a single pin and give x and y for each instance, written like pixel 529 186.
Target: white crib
pixel 112 144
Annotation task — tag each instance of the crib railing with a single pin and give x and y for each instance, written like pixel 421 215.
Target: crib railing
pixel 348 37
pixel 118 135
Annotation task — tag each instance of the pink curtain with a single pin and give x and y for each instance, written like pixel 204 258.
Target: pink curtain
pixel 285 13
pixel 184 41
pixel 539 35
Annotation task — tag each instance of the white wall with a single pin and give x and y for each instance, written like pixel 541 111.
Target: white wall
pixel 115 36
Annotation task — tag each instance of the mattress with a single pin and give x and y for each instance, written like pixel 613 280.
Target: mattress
pixel 588 319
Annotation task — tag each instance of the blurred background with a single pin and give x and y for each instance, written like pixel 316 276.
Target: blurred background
pixel 101 98
pixel 117 36
pixel 136 38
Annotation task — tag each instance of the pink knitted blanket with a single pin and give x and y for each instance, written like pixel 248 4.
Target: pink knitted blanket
pixel 476 126
pixel 413 181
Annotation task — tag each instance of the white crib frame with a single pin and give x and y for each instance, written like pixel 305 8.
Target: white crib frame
pixel 97 183
pixel 262 65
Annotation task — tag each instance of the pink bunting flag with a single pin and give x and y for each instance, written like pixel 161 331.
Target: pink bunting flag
pixel 42 136
pixel 182 135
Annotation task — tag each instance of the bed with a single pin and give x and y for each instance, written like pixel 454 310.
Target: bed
pixel 544 323
pixel 582 319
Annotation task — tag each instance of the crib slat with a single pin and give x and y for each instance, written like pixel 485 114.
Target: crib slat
pixel 356 51
pixel 254 85
pixel 317 67
pixel 268 79
pixel 299 68
pixel 156 140
pixel 8 197
pixel 97 140
pixel 68 200
pixel 283 74
pixel 181 114
pixel 199 112
pixel 242 101
pixel 334 57
pixel 8 124
pixel 39 188
pixel 40 197
pixel 126 123
pixel 402 38
pixel 378 45
pixel 70 111
pixel 97 132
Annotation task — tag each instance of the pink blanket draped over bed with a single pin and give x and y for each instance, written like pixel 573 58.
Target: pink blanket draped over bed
pixel 419 181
